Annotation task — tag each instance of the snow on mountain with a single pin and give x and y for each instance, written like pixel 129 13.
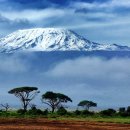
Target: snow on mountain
pixel 51 39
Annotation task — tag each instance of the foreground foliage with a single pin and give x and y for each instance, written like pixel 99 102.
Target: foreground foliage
pixel 65 116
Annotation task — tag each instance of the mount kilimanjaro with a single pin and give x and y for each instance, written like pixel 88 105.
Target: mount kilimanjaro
pixel 52 39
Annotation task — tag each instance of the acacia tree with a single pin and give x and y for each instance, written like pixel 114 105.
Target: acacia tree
pixel 87 104
pixel 25 94
pixel 54 100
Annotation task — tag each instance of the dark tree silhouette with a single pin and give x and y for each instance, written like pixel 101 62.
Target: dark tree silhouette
pixel 6 106
pixel 87 104
pixel 25 94
pixel 54 100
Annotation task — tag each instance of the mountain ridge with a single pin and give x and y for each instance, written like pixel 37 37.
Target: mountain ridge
pixel 52 39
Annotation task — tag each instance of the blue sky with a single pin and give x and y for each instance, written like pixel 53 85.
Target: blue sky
pixel 105 21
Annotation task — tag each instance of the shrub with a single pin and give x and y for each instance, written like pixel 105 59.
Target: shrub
pixel 21 111
pixel 62 111
pixel 123 114
pixel 39 112
pixel 35 112
pixel 128 109
pixel 109 112
pixel 122 110
pixel 77 112
pixel 3 113
pixel 45 112
pixel 87 113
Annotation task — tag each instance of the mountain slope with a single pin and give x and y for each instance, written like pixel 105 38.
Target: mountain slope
pixel 51 39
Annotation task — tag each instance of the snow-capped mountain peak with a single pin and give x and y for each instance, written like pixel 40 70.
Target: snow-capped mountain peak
pixel 50 39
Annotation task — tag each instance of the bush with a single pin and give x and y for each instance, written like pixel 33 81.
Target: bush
pixel 45 112
pixel 3 113
pixel 77 112
pixel 21 111
pixel 109 112
pixel 122 110
pixel 62 111
pixel 87 113
pixel 39 112
pixel 35 112
pixel 128 109
pixel 123 114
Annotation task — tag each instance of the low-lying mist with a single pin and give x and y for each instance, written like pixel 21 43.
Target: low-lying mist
pixel 102 79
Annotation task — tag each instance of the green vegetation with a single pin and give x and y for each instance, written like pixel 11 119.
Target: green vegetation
pixel 121 120
pixel 56 109
pixel 87 104
pixel 55 100
pixel 25 94
pixel 62 114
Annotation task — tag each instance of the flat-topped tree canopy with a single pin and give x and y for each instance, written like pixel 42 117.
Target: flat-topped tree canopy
pixel 26 94
pixel 87 104
pixel 63 98
pixel 56 97
pixel 23 89
pixel 53 99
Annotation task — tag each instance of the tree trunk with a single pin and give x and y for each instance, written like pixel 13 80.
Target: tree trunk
pixel 53 109
pixel 24 106
pixel 87 108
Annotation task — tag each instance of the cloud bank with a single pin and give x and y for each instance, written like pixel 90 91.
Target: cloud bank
pixel 105 81
pixel 98 79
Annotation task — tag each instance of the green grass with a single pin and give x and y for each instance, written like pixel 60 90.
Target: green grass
pixel 55 116
pixel 122 120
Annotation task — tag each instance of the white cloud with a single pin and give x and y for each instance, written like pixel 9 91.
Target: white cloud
pixel 33 14
pixel 111 19
pixel 97 5
pixel 105 81
pixel 119 3
pixel 93 68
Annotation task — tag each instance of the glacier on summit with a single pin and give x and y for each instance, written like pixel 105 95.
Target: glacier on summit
pixel 51 39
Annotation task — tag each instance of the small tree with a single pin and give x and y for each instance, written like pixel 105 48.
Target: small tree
pixel 54 100
pixel 87 104
pixel 25 94
pixel 5 106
